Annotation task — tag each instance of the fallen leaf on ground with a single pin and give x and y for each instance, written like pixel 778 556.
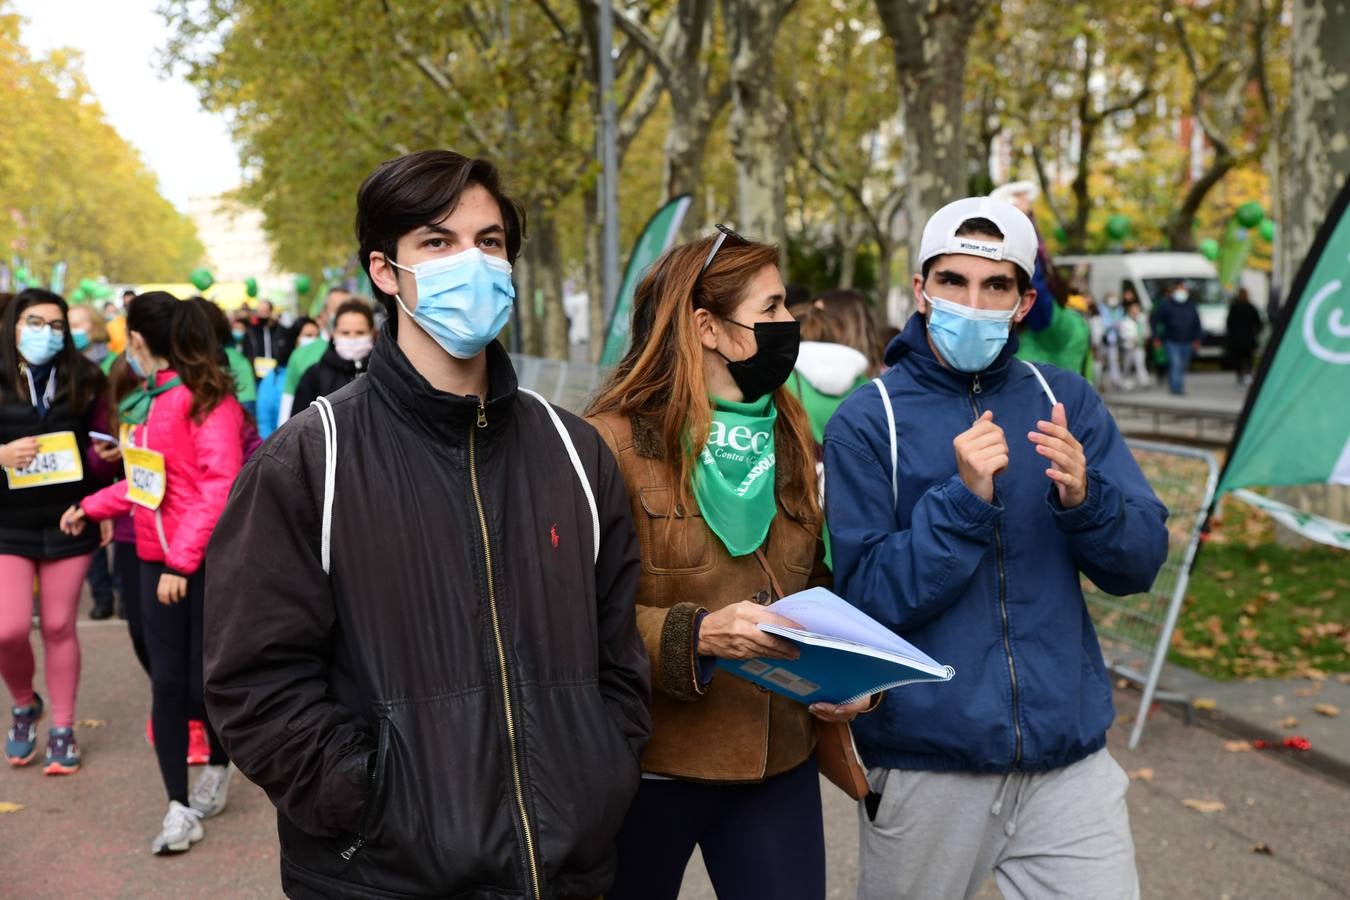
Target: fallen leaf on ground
pixel 93 723
pixel 1310 691
pixel 1263 848
pixel 1289 722
pixel 1141 775
pixel 1343 678
pixel 1330 710
pixel 7 807
pixel 1205 703
pixel 1237 746
pixel 1298 742
pixel 1204 806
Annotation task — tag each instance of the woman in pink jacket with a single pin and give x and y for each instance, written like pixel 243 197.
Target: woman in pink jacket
pixel 181 443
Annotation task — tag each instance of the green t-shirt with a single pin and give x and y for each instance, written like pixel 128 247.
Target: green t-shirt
pixel 299 363
pixel 1066 342
pixel 245 385
pixel 819 406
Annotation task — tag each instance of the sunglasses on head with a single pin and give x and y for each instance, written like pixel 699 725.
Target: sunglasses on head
pixel 723 232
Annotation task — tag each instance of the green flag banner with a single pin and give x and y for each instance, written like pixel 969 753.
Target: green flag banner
pixel 1295 428
pixel 656 238
pixel 1312 527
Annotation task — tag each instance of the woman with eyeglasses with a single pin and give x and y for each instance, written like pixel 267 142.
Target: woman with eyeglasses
pixel 719 464
pixel 49 405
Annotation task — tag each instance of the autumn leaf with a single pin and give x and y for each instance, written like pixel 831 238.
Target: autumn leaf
pixel 1310 691
pixel 93 723
pixel 1205 807
pixel 1263 849
pixel 1205 703
pixel 1142 775
pixel 1237 746
pixel 7 807
pixel 1329 710
pixel 1289 722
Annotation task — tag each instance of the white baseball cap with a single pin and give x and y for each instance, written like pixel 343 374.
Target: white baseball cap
pixel 1018 245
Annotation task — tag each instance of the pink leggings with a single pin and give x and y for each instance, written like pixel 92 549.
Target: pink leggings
pixel 59 582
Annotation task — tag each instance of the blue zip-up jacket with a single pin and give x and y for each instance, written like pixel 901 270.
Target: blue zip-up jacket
pixel 990 589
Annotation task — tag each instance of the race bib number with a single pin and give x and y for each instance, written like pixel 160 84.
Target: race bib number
pixel 57 462
pixel 262 365
pixel 145 476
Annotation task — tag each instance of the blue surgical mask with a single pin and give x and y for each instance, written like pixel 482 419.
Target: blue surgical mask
pixel 968 339
pixel 463 301
pixel 135 365
pixel 39 345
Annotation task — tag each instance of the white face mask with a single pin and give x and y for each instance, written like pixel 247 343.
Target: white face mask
pixel 1180 295
pixel 306 340
pixel 353 349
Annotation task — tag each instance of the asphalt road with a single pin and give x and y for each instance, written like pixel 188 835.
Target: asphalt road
pixel 89 835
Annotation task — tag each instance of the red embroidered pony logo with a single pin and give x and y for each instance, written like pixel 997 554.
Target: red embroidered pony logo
pixel 553 535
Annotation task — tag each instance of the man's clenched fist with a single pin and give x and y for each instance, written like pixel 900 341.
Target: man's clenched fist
pixel 981 453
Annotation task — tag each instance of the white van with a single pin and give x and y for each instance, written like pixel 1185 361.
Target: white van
pixel 1149 276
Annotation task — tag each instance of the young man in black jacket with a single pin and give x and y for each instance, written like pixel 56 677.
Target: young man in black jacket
pixel 420 620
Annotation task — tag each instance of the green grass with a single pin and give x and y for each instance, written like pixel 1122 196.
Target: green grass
pixel 1257 610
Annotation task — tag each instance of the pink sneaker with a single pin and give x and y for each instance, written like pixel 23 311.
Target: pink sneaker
pixel 199 750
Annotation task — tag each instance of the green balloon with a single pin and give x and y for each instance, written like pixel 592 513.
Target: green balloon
pixel 302 284
pixel 79 295
pixel 201 279
pixel 1118 227
pixel 251 286
pixel 1250 214
pixel 1266 229
pixel 1209 248
pixel 23 276
pixel 1060 234
pixel 102 291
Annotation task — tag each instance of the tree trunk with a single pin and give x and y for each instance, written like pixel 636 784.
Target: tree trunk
pixel 595 305
pixel 1181 224
pixel 929 42
pixel 524 319
pixel 1319 109
pixel 686 143
pixel 552 337
pixel 758 119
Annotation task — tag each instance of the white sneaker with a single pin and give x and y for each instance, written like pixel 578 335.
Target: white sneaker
pixel 182 829
pixel 211 790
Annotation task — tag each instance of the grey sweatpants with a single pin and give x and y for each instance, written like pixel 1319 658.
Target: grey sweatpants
pixel 1058 834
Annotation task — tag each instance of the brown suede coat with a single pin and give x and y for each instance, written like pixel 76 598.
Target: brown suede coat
pixel 729 730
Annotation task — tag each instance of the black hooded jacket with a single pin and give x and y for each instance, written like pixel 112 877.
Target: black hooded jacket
pixel 328 376
pixel 458 708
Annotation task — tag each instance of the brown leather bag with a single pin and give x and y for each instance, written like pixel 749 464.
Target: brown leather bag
pixel 836 754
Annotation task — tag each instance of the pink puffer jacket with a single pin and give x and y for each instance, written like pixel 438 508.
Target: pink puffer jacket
pixel 201 461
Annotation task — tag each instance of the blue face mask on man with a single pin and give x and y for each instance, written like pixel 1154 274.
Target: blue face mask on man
pixel 463 301
pixel 39 345
pixel 968 339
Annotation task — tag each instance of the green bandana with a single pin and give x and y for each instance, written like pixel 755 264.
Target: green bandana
pixel 734 478
pixel 135 407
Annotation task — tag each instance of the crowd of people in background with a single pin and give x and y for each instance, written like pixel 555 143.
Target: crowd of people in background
pixel 121 433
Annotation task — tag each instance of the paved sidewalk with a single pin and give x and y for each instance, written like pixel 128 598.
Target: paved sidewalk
pixel 102 820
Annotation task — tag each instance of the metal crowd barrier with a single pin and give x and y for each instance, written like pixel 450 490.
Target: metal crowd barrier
pixel 1136 631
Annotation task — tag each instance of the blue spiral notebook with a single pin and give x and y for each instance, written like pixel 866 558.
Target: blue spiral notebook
pixel 845 653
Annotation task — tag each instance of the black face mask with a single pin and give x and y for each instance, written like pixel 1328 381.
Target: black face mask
pixel 772 363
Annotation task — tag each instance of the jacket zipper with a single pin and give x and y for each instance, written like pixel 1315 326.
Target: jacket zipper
pixel 1003 611
pixel 501 655
pixel 372 786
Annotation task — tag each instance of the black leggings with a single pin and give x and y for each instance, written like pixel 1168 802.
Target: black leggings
pixel 127 566
pixel 758 840
pixel 173 635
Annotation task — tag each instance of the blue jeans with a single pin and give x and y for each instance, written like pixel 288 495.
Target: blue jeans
pixel 1178 361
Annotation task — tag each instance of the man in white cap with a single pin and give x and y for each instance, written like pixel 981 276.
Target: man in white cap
pixel 966 493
